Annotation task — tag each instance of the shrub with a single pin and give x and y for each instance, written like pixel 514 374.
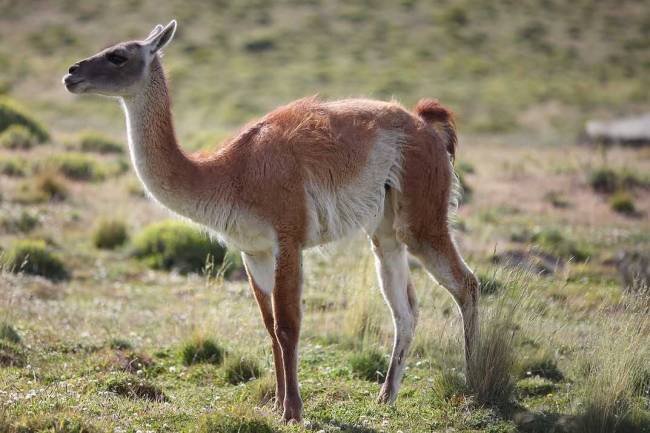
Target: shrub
pixel 110 234
pixel 17 137
pixel 604 180
pixel 239 369
pixel 49 186
pixel 32 257
pixel 14 167
pixel 369 365
pixel 175 245
pixel 91 141
pixel 77 166
pixel 202 350
pixel 135 388
pixel 622 202
pixel 239 421
pixel 8 333
pixel 13 114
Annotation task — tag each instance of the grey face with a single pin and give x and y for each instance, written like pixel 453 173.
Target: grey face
pixel 119 70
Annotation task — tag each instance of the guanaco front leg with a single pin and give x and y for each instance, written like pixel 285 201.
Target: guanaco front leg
pixel 286 309
pixel 261 275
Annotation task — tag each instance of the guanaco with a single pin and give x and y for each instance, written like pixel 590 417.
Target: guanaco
pixel 306 174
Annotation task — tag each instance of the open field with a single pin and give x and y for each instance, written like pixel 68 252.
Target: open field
pixel 98 335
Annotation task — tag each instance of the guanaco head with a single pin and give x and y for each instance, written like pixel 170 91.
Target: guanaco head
pixel 120 70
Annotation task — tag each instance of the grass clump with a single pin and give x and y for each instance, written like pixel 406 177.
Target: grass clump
pixel 8 333
pixel 25 222
pixel 11 113
pixel 623 203
pixel 541 364
pixel 135 388
pixel 449 384
pixel 120 344
pixel 369 364
pixel 17 137
pixel 608 180
pixel 34 258
pixel 11 354
pixel 202 350
pixel 77 166
pixel 239 369
pixel 554 241
pixel 535 386
pixel 235 421
pixel 13 167
pixel 91 141
pixel 175 245
pixel 110 234
pixel 47 186
pixel 48 424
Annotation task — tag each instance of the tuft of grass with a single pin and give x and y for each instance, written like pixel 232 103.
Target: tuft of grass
pixel 34 258
pixel 25 222
pixel 535 386
pixel 132 362
pixel 11 113
pixel 17 137
pixel 92 141
pixel 608 180
pixel 120 344
pixel 202 350
pixel 134 388
pixel 554 241
pixel 489 283
pixel 47 186
pixel 557 199
pixel 449 384
pixel 617 375
pixel 110 234
pixel 11 354
pixel 176 245
pixel 77 166
pixel 235 421
pixel 240 369
pixel 13 167
pixel 539 363
pixel 8 333
pixel 623 203
pixel 264 390
pixel 369 364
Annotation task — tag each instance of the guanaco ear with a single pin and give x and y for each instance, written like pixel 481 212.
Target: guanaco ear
pixel 154 32
pixel 162 38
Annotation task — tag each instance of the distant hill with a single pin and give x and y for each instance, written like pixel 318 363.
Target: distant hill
pixel 536 65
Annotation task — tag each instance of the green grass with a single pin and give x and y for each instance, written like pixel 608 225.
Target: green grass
pixel 623 203
pixel 33 257
pixel 369 364
pixel 17 137
pixel 176 245
pixel 77 166
pixel 13 115
pixel 13 166
pixel 235 421
pixel 92 141
pixel 241 369
pixel 8 333
pixel 110 234
pixel 202 350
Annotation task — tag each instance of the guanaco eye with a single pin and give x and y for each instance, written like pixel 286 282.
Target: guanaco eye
pixel 116 59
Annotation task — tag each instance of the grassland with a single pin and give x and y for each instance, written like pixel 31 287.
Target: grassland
pixel 112 344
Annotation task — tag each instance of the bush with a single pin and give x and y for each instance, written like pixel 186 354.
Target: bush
pixel 369 365
pixel 8 333
pixel 14 167
pixel 622 202
pixel 13 114
pixel 604 180
pixel 175 245
pixel 17 137
pixel 47 187
pixel 202 350
pixel 32 257
pixel 135 388
pixel 239 369
pixel 91 141
pixel 235 422
pixel 77 166
pixel 110 234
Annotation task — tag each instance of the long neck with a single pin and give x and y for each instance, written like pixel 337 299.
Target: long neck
pixel 167 172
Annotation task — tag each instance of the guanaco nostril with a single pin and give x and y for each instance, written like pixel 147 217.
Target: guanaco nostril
pixel 73 68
